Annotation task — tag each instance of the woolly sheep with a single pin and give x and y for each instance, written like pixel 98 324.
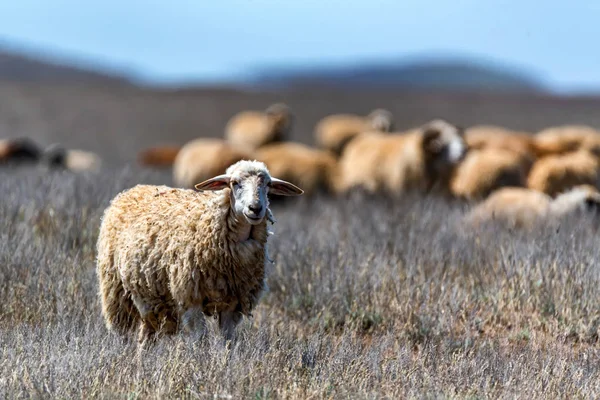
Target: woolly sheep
pixel 158 156
pixel 56 156
pixel 524 208
pixel 557 173
pixel 495 137
pixel 483 171
pixel 203 158
pixel 169 256
pixel 251 129
pixel 422 158
pixel 335 131
pixel 568 138
pixel 311 169
pixel 19 150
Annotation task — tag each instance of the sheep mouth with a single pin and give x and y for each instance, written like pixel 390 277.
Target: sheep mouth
pixel 253 219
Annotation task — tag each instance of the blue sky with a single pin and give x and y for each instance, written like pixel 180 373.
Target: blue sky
pixel 171 40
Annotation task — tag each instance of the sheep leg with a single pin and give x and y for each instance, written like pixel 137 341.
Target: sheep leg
pixel 228 320
pixel 119 312
pixel 193 321
pixel 160 322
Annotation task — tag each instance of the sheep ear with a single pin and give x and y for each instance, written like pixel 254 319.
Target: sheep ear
pixel 217 183
pixel 284 188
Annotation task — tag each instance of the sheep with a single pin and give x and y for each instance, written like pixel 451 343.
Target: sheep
pixel 483 171
pixel 567 138
pixel 19 150
pixel 525 208
pixel 203 158
pixel 311 169
pixel 489 136
pixel 421 158
pixel 158 156
pixel 556 173
pixel 166 256
pixel 334 132
pixel 56 156
pixel 251 129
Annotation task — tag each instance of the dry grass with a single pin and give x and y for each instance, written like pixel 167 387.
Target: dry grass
pixel 369 298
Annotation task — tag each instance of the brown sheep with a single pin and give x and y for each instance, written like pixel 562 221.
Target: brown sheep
pixel 566 139
pixel 19 150
pixel 422 158
pixel 483 171
pixel 489 136
pixel 524 208
pixel 557 173
pixel 252 129
pixel 203 158
pixel 158 156
pixel 311 169
pixel 335 131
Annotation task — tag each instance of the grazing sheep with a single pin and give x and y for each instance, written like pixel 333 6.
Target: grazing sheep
pixel 558 173
pixel 203 158
pixel 524 208
pixel 566 139
pixel 19 150
pixel 483 171
pixel 494 137
pixel 422 158
pixel 159 156
pixel 334 132
pixel 252 129
pixel 168 256
pixel 311 169
pixel 56 156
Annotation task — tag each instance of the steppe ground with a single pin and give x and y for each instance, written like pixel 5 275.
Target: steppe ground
pixel 369 297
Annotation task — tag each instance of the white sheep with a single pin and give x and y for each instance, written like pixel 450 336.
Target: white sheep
pixel 166 255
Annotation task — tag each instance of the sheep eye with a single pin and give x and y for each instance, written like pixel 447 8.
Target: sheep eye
pixel 236 185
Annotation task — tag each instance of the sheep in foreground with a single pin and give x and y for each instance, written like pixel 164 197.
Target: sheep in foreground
pixel 525 208
pixel 158 156
pixel 19 150
pixel 56 156
pixel 203 158
pixel 420 159
pixel 311 169
pixel 557 173
pixel 251 129
pixel 334 132
pixel 483 171
pixel 167 256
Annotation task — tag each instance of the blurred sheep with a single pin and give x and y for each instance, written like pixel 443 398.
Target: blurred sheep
pixel 158 156
pixel 334 132
pixel 57 156
pixel 483 171
pixel 203 158
pixel 251 129
pixel 19 150
pixel 312 169
pixel 423 158
pixel 557 173
pixel 568 138
pixel 495 137
pixel 524 208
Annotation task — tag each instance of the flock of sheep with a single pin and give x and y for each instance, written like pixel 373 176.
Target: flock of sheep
pixel 499 169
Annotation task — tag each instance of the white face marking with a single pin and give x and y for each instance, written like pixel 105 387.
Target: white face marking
pixel 456 150
pixel 250 197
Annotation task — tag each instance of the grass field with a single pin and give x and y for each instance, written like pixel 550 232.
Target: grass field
pixel 369 298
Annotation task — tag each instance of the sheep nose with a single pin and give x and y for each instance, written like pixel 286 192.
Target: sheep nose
pixel 256 208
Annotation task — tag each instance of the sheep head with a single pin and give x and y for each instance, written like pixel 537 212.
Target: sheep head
pixel 250 183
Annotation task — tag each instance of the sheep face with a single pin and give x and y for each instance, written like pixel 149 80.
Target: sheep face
pixel 250 183
pixel 381 120
pixel 444 143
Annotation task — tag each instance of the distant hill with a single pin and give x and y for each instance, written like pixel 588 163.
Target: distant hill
pixel 445 75
pixel 24 68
